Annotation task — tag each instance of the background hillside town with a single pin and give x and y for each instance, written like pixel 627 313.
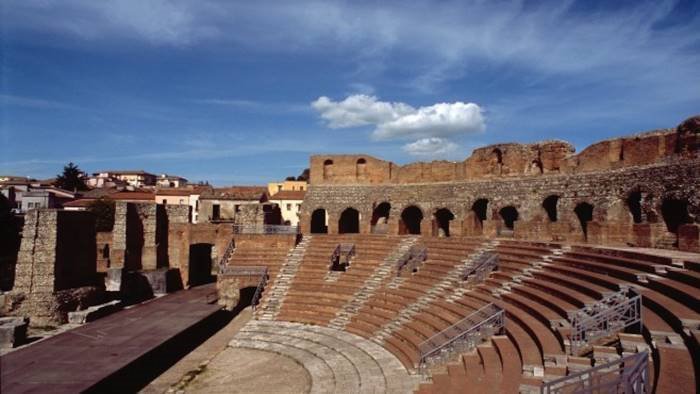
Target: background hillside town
pixel 76 190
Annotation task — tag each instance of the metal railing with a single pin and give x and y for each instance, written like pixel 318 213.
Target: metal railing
pixel 412 258
pixel 460 337
pixel 227 254
pixel 264 229
pixel 480 268
pixel 628 375
pixel 341 255
pixel 252 271
pixel 609 315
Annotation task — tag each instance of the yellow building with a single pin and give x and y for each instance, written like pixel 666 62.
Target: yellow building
pixel 291 186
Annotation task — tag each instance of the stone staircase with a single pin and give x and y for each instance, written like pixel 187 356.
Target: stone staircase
pixel 270 306
pixel 380 274
pixel 450 281
pixel 527 272
pixel 336 361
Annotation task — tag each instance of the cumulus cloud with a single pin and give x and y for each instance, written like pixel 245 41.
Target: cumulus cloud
pixel 400 120
pixel 430 147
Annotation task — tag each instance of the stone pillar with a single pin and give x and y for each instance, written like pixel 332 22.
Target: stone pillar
pixel 117 254
pixel 333 223
pixel 149 255
pixel 426 226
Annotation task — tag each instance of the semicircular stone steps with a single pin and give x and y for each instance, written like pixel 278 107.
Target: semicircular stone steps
pixel 337 361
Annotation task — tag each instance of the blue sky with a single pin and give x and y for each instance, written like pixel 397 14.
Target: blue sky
pixel 244 92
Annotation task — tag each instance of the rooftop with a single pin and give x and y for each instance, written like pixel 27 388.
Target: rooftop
pixel 236 193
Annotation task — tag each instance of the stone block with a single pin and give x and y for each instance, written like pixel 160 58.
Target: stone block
pixel 163 280
pixel 94 312
pixel 689 237
pixel 13 331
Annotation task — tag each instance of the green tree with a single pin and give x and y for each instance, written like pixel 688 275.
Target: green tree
pixel 103 209
pixel 304 175
pixel 71 178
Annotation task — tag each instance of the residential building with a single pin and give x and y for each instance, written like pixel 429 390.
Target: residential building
pixel 220 204
pixel 165 180
pixel 289 202
pixel 45 197
pixel 276 187
pixel 137 178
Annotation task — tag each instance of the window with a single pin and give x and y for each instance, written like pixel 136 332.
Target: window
pixel 279 188
pixel 182 201
pixel 298 207
pixel 289 207
pixel 237 208
pixel 216 212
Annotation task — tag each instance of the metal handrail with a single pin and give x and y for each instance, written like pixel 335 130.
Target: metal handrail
pixel 489 315
pixel 483 265
pixel 613 313
pixel 629 375
pixel 413 256
pixel 264 229
pixel 345 249
pixel 227 254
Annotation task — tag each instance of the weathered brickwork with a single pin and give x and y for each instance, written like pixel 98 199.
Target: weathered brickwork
pixel 56 260
pixel 635 187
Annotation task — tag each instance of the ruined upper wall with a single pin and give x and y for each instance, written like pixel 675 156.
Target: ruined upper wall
pixel 516 160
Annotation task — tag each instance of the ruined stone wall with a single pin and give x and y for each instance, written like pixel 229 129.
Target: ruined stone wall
pixel 516 160
pixel 56 267
pixel 104 248
pixel 606 191
pixel 135 236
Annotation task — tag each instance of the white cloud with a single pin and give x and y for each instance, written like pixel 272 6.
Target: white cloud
pixel 359 110
pixel 430 147
pixel 400 120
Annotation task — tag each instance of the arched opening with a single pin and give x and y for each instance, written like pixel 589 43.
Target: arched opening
pixel 509 215
pixel 537 167
pixel 380 218
pixel 498 156
pixel 584 212
pixel 550 206
pixel 634 203
pixel 480 208
pixel 319 222
pixel 410 220
pixel 361 168
pixel 675 213
pixel 349 222
pixel 327 169
pixel 199 268
pixel 441 224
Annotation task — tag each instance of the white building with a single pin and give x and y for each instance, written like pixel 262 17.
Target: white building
pixel 289 202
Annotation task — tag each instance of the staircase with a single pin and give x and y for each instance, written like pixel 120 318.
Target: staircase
pixel 380 274
pixel 526 272
pixel 450 281
pixel 270 306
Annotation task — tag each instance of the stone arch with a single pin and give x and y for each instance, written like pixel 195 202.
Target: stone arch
pixel 498 155
pixel 441 222
pixel 550 205
pixel 411 218
pixel 634 203
pixel 380 218
pixel 361 168
pixel 319 221
pixel 675 213
pixel 349 221
pixel 480 208
pixel 537 167
pixel 584 213
pixel 327 169
pixel 509 215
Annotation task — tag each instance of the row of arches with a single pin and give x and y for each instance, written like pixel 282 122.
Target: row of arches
pixel 674 212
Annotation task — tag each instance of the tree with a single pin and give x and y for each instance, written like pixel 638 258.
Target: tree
pixel 289 178
pixel 71 178
pixel 103 209
pixel 304 175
